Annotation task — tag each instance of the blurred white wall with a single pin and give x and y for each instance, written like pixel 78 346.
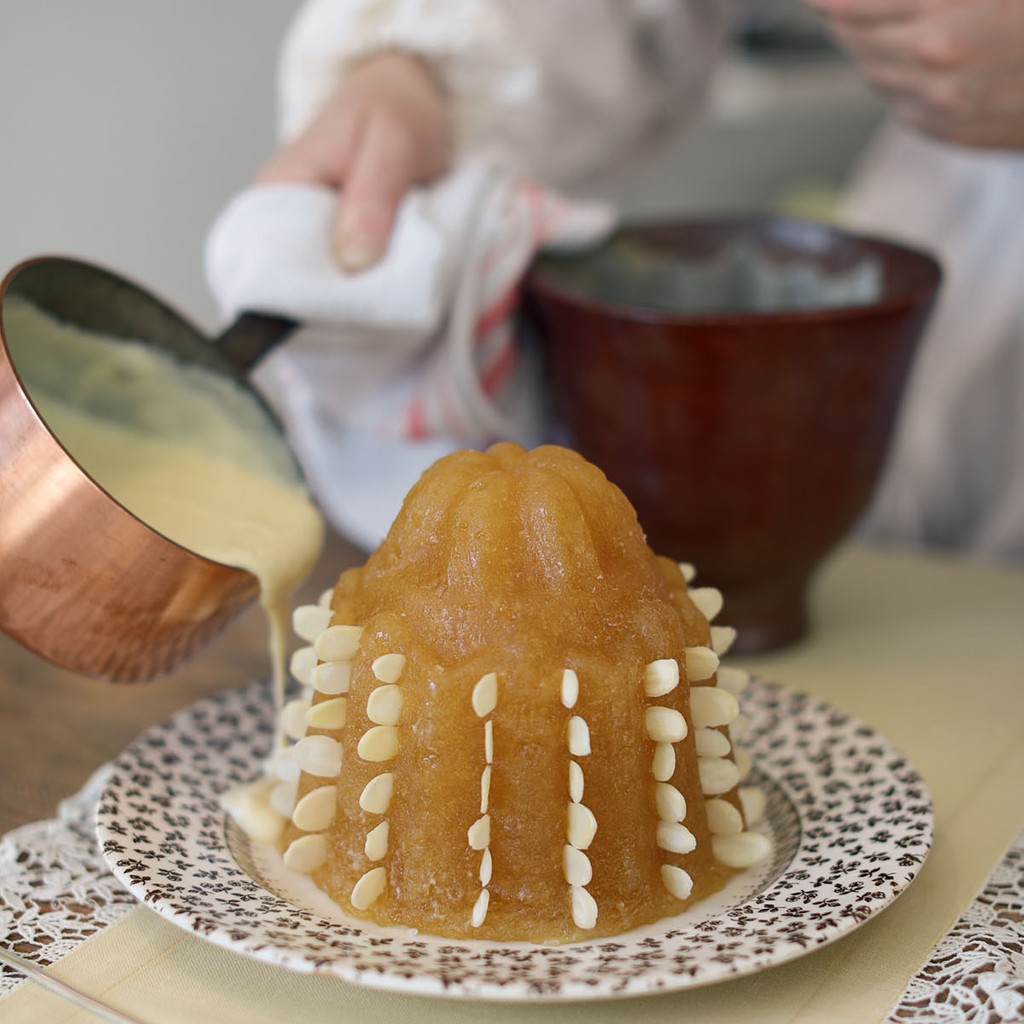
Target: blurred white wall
pixel 125 126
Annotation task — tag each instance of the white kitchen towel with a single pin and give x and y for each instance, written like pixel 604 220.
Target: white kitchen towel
pixel 955 475
pixel 412 358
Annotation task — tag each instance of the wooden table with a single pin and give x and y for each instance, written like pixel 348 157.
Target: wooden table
pixel 58 727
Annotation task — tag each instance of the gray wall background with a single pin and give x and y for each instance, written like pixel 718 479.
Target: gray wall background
pixel 125 126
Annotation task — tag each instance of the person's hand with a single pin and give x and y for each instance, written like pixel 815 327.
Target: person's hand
pixel 952 68
pixel 386 127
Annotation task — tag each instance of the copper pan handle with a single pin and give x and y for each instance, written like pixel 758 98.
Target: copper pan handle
pixel 252 335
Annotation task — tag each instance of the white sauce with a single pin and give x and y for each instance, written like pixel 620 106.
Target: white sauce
pixel 187 451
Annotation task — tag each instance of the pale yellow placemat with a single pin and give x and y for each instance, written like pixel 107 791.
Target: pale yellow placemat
pixel 179 979
pixel 927 651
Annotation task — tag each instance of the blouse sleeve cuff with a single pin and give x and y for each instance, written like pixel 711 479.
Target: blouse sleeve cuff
pixel 491 75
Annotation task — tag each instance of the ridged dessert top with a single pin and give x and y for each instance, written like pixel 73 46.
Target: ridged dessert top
pixel 536 551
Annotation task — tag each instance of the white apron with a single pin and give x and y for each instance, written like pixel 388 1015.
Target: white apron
pixel 955 478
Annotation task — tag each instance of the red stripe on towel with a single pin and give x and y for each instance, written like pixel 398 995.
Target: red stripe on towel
pixel 499 310
pixel 415 420
pixel 495 375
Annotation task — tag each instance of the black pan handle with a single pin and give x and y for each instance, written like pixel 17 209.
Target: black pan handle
pixel 246 341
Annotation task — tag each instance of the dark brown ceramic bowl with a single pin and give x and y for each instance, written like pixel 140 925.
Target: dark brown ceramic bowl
pixel 739 380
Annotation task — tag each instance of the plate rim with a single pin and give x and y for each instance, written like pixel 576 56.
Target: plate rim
pixel 434 985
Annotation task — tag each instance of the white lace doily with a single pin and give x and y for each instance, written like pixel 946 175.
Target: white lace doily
pixel 55 892
pixel 976 972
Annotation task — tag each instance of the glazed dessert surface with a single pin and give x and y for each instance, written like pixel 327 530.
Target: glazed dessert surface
pixel 514 730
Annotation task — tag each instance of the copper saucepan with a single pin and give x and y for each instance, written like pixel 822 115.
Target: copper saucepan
pixel 83 582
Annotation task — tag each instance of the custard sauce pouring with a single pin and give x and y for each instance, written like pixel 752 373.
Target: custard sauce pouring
pixel 188 452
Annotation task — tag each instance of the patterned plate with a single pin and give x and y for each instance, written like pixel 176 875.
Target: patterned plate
pixel 850 820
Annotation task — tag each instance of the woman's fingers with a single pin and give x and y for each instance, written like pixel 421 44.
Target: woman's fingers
pixel 952 68
pixel 321 154
pixel 386 127
pixel 383 167
pixel 299 165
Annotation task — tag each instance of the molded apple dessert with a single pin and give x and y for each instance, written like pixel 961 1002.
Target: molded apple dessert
pixel 518 727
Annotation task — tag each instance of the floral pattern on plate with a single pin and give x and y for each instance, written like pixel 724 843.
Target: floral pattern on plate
pixel 850 821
